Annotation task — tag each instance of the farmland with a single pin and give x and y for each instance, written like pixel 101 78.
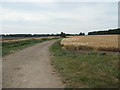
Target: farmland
pixel 87 61
pixel 96 42
pixel 12 38
pixel 15 44
pixel 9 39
pixel 80 61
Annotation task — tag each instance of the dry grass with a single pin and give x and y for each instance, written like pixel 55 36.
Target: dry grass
pixel 97 42
pixel 22 39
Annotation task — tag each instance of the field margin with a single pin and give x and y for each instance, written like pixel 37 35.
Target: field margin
pixel 93 69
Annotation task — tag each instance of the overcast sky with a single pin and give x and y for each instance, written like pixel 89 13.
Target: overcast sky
pixel 56 17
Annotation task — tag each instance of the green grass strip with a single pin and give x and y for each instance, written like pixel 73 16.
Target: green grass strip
pixel 11 47
pixel 93 69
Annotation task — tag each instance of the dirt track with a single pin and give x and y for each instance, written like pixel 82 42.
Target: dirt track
pixel 30 68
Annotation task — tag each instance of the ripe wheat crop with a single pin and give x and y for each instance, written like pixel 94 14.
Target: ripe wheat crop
pixel 97 42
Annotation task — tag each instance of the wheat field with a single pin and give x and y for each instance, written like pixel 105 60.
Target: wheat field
pixel 97 42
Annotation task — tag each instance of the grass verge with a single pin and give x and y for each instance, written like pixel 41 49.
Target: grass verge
pixel 93 69
pixel 11 47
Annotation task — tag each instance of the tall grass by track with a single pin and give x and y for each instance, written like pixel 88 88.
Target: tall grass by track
pixel 11 47
pixel 85 70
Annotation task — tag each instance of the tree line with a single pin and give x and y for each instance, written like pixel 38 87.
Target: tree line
pixel 106 32
pixel 62 34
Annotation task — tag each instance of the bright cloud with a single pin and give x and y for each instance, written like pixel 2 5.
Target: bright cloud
pixel 14 16
pixel 56 17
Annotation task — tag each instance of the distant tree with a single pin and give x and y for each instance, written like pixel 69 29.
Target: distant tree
pixel 81 34
pixel 110 31
pixel 62 34
pixel 52 34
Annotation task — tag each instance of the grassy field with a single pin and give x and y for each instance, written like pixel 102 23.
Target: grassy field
pixel 96 42
pixel 87 69
pixel 12 46
pixel 12 39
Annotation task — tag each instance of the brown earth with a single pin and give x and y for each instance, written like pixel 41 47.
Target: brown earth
pixel 30 68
